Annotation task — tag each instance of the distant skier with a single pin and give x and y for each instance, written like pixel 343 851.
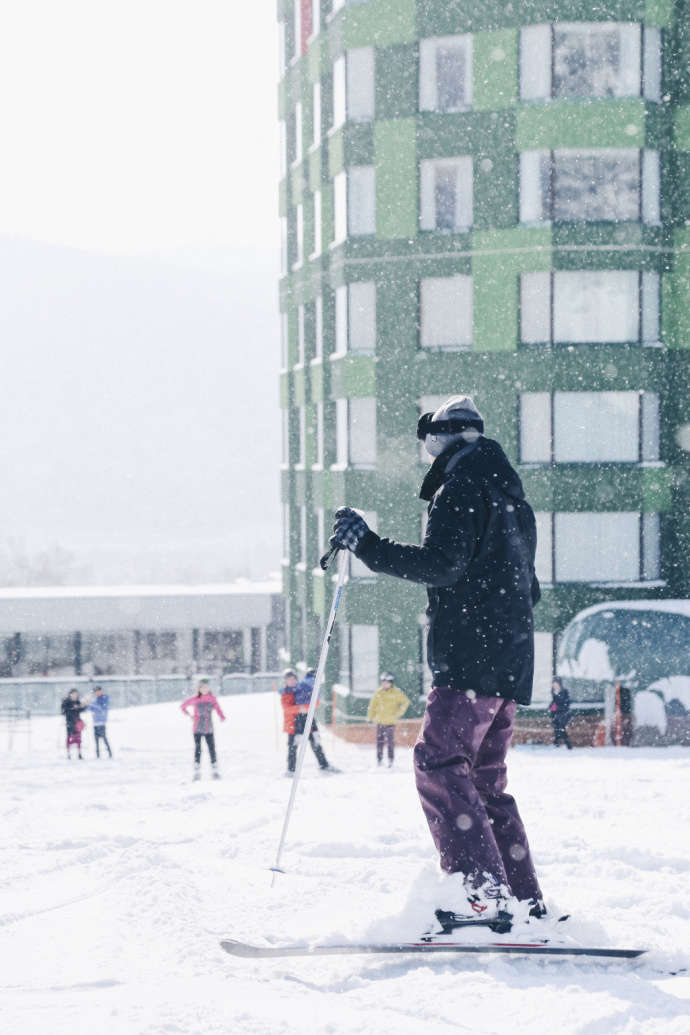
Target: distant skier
pixel 100 706
pixel 477 561
pixel 204 703
pixel 387 705
pixel 559 711
pixel 72 708
pixel 303 691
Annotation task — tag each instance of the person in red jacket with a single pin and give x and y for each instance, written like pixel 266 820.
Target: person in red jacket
pixel 290 710
pixel 204 704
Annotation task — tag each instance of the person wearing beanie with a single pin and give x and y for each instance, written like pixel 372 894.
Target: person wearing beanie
pixel 303 694
pixel 203 705
pixel 477 562
pixel 387 705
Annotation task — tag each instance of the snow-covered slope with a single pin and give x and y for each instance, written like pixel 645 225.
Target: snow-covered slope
pixel 119 878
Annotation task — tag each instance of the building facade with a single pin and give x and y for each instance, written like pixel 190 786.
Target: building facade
pixel 60 631
pixel 492 199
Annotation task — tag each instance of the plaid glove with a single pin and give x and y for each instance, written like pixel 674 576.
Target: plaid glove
pixel 349 529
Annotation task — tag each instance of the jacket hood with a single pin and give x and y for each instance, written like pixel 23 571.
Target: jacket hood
pixel 484 461
pixel 489 463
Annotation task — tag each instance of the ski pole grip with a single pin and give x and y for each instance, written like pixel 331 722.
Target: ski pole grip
pixel 326 559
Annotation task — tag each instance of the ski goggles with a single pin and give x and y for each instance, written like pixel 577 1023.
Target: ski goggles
pixel 426 425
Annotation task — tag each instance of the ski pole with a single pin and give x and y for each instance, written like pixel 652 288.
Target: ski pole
pixel 318 679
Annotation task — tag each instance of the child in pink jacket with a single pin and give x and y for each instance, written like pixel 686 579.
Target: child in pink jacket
pixel 204 704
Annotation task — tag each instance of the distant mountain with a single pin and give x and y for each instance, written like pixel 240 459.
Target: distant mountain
pixel 139 425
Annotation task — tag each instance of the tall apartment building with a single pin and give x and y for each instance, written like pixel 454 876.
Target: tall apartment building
pixel 476 202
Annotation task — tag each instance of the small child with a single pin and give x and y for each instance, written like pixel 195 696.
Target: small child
pixel 204 704
pixel 287 701
pixel 72 708
pixel 387 705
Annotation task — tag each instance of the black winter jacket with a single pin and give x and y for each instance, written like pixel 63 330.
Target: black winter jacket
pixel 72 711
pixel 477 560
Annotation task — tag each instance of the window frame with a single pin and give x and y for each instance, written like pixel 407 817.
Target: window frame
pixel 428 210
pixel 648 181
pixel 648 427
pixel 428 98
pixel 650 78
pixel 648 302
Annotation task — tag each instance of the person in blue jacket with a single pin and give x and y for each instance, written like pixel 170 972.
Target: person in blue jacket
pixel 100 705
pixel 303 692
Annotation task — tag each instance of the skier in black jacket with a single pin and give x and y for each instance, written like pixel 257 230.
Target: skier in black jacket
pixel 477 561
pixel 559 710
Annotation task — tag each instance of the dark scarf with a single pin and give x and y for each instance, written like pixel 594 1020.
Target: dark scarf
pixel 436 475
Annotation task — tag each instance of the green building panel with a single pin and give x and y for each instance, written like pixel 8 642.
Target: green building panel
pixel 381 22
pixel 494 69
pixel 581 124
pixel 396 178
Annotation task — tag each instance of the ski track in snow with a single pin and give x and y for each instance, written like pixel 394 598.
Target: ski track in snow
pixel 117 880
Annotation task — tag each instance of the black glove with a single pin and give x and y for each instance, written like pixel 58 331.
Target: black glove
pixel 348 530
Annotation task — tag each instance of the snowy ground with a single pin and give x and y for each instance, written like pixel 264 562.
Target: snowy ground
pixel 119 878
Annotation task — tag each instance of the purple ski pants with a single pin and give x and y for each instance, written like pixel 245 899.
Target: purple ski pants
pixel 460 769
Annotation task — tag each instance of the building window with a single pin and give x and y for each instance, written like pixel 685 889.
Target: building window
pixel 586 306
pixel 356 432
pixel 286 437
pixel 598 547
pixel 286 531
pixel 318 228
pixel 303 535
pixel 543 667
pixel 339 92
pixel 355 202
pixel 445 73
pixel 446 194
pixel 589 427
pixel 589 59
pixel 354 86
pixel 364 659
pixel 283 341
pixel 318 327
pixel 298 133
pixel 361 200
pixel 299 234
pixel 300 334
pixel 358 569
pixel 316 113
pixel 603 547
pixel 302 423
pixel 319 435
pixel 340 207
pixel 446 312
pixel 355 317
pixel 569 185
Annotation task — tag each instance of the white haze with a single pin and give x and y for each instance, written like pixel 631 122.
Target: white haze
pixel 139 427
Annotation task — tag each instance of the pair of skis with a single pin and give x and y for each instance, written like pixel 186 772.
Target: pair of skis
pixel 431 944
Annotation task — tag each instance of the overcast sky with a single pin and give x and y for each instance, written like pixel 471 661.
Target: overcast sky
pixel 137 131
pixel 139 125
